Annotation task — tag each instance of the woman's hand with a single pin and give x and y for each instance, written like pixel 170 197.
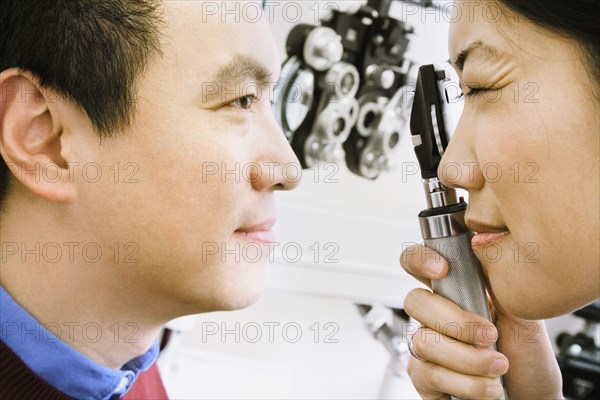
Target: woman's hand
pixel 452 345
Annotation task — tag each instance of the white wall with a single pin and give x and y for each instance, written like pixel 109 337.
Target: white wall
pixel 369 222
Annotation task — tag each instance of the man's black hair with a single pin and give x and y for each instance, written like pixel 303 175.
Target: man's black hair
pixel 88 51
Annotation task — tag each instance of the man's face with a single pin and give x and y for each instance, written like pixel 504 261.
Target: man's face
pixel 194 177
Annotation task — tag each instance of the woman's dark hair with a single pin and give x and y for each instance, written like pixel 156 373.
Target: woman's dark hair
pixel 88 51
pixel 579 19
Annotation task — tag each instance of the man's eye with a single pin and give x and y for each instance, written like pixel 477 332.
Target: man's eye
pixel 244 102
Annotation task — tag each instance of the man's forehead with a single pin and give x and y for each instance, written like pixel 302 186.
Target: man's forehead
pixel 222 44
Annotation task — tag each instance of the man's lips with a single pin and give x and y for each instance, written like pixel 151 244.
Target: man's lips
pixel 261 232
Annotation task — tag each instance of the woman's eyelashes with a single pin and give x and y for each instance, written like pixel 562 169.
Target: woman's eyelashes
pixel 474 91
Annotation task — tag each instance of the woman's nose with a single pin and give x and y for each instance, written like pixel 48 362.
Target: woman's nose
pixel 459 167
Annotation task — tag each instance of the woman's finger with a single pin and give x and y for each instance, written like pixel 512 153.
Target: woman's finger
pixel 423 263
pixel 445 317
pixel 436 382
pixel 429 345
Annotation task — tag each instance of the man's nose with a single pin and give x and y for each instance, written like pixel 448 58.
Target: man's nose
pixel 278 166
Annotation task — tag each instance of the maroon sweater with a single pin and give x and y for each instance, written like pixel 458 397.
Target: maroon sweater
pixel 18 381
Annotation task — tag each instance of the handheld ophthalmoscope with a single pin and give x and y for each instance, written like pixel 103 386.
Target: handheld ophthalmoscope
pixel 443 221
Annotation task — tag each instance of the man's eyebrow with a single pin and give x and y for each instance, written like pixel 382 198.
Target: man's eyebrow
pixel 242 68
pixel 461 58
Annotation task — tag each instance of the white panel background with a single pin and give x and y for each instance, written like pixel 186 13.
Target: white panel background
pixel 370 221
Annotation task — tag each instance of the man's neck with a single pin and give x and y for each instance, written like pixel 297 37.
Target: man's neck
pixel 99 332
pixel 85 305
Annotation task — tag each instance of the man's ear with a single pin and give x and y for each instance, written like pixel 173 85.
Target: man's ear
pixel 30 137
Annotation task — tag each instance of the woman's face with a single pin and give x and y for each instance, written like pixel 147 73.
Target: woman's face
pixel 527 150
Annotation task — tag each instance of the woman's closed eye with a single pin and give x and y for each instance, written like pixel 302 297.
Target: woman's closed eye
pixel 472 91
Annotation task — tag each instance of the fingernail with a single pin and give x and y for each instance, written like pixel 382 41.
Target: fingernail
pixel 434 267
pixel 498 367
pixel 495 392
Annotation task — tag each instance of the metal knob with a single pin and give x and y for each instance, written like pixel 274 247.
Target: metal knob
pixel 381 77
pixel 323 48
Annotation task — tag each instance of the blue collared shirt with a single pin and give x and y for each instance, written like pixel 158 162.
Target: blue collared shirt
pixel 61 365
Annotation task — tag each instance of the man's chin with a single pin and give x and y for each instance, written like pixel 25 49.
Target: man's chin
pixel 238 300
pixel 242 293
pixel 241 303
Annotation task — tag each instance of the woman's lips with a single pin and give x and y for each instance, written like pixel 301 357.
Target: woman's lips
pixel 482 239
